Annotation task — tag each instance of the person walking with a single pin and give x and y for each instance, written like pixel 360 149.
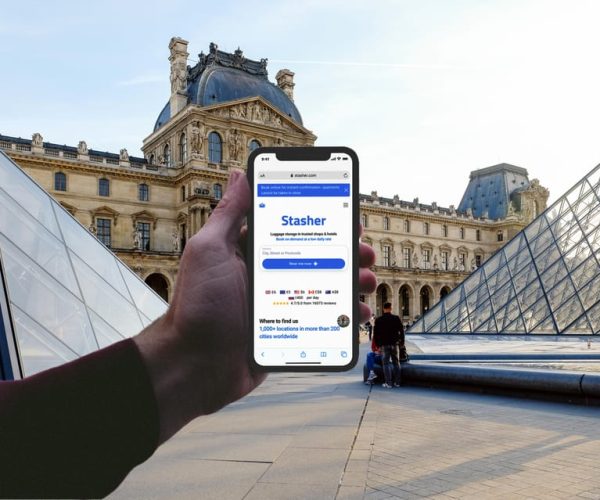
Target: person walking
pixel 387 333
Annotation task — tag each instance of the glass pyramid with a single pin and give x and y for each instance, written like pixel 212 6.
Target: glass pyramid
pixel 546 280
pixel 63 294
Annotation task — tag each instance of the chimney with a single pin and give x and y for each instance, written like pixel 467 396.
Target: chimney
pixel 178 60
pixel 285 81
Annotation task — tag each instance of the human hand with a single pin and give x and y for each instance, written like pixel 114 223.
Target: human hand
pixel 198 352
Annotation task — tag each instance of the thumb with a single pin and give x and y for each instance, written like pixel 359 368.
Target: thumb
pixel 229 214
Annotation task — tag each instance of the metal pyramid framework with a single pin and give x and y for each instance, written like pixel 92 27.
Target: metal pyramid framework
pixel 546 280
pixel 63 294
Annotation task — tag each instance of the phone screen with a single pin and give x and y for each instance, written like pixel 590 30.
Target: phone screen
pixel 304 243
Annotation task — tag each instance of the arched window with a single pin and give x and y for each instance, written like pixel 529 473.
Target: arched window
pixel 143 193
pixel 426 228
pixel 445 230
pixel 406 226
pixel 167 155
pixel 254 144
pixel 386 223
pixel 425 299
pixel 103 187
pixel 462 233
pixel 182 148
pixel 60 181
pixel 478 235
pixel 215 148
pixel 218 191
pixel 364 220
pixel 404 301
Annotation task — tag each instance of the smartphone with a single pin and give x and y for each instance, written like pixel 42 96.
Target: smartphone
pixel 303 233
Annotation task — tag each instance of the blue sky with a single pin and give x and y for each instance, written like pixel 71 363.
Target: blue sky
pixel 424 90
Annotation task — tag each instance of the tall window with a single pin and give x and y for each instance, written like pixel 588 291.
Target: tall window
pixel 143 193
pixel 462 261
pixel 425 227
pixel 254 144
pixel 60 181
pixel 387 251
pixel 478 235
pixel 406 257
pixel 183 148
pixel 426 258
pixel 405 301
pixel 143 229
pixel 406 226
pixel 364 220
pixel 386 223
pixel 445 256
pixel 478 260
pixel 215 148
pixel 462 233
pixel 167 155
pixel 445 230
pixel 103 231
pixel 103 187
pixel 218 191
pixel 182 193
pixel 500 236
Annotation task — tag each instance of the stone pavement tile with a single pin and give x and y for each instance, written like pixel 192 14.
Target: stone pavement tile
pixel 350 493
pixel 360 454
pixel 285 418
pixel 323 466
pixel 288 491
pixel 375 494
pixel 220 446
pixel 357 466
pixel 190 479
pixel 354 478
pixel 324 436
pixel 591 495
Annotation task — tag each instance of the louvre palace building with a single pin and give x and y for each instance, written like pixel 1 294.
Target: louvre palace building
pixel 145 208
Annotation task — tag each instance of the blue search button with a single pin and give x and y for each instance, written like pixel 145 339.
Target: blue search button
pixel 303 264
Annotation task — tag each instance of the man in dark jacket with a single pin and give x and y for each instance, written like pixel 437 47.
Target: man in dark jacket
pixel 388 332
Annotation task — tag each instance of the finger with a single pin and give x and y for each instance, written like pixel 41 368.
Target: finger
pixel 367 282
pixel 228 216
pixel 364 312
pixel 366 255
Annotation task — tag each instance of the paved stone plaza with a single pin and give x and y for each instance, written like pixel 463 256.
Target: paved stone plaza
pixel 329 436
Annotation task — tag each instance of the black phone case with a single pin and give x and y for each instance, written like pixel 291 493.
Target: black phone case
pixel 306 154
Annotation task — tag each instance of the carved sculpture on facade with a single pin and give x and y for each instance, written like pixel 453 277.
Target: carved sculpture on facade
pixel 198 132
pixel 435 262
pixel 175 242
pixel 235 145
pixel 178 75
pixel 455 264
pixel 137 239
pixel 123 155
pixel 82 148
pixel 92 229
pixel 37 140
pixel 415 260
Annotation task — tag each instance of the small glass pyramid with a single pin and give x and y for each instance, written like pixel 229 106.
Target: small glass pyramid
pixel 65 294
pixel 546 280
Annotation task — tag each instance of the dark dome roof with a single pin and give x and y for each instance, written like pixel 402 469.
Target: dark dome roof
pixel 222 77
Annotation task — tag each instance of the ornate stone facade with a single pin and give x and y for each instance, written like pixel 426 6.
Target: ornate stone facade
pixel 424 251
pixel 145 209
